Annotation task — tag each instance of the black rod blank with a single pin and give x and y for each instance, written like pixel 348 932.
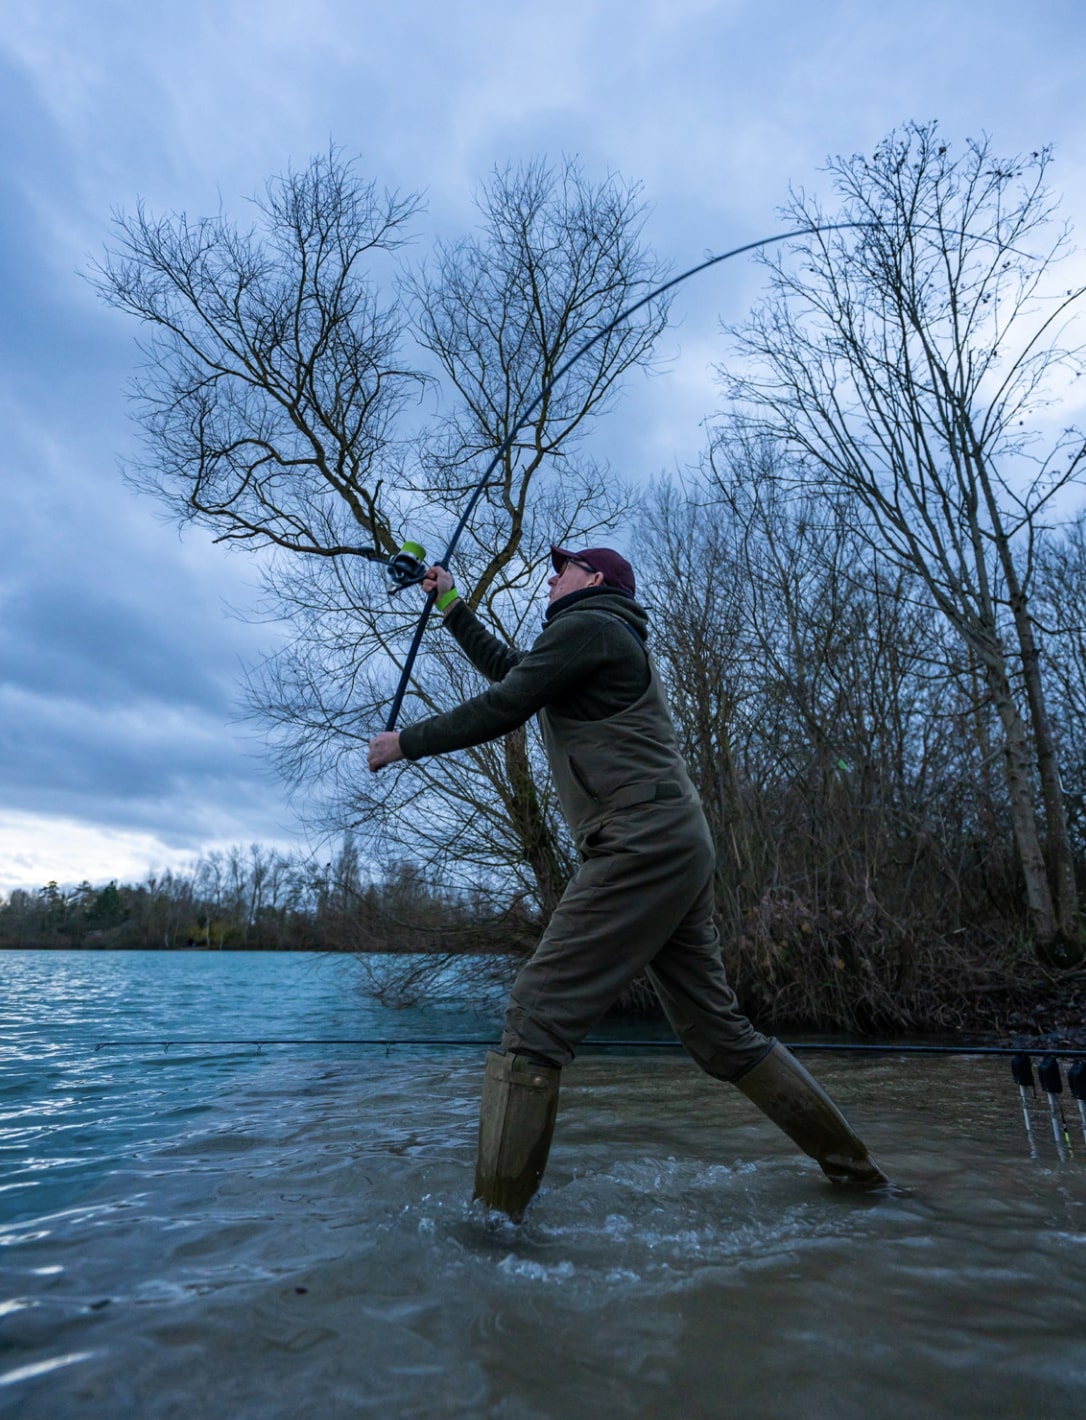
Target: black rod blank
pixel 1077 1053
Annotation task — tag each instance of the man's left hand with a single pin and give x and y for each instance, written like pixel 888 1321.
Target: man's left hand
pixel 384 749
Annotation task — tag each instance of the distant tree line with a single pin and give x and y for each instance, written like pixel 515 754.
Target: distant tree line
pixel 868 600
pixel 263 900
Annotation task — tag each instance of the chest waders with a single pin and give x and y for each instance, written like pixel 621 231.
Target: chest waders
pixel 641 901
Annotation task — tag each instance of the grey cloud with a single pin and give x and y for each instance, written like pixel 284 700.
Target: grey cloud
pixel 178 774
pixel 64 634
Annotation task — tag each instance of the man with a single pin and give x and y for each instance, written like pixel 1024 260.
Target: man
pixel 642 898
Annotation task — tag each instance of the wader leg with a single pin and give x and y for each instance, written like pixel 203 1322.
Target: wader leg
pixel 797 1103
pixel 516 1122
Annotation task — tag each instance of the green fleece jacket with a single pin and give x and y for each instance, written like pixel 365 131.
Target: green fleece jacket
pixel 589 663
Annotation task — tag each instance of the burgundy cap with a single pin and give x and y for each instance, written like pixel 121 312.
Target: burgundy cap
pixel 617 572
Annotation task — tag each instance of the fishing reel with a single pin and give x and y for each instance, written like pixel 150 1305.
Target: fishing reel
pixel 406 568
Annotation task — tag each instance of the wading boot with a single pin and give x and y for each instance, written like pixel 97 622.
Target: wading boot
pixel 797 1103
pixel 520 1101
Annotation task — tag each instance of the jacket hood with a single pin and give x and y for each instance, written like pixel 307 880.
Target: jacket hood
pixel 601 599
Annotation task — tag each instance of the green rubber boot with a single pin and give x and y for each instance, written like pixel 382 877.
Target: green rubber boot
pixel 516 1122
pixel 797 1103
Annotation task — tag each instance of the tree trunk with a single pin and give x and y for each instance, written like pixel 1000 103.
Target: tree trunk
pixel 1023 818
pixel 1061 863
pixel 528 819
pixel 1059 856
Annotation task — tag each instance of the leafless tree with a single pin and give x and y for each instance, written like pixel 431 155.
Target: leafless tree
pixel 273 376
pixel 556 259
pixel 280 364
pixel 910 365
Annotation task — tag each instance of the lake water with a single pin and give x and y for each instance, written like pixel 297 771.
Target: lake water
pixel 217 1232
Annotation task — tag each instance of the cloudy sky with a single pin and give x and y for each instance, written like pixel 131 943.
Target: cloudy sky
pixel 121 746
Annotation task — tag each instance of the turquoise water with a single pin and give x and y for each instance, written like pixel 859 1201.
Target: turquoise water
pixel 220 1232
pixel 73 1102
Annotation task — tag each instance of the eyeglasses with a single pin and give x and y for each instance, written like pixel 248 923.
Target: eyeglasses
pixel 575 562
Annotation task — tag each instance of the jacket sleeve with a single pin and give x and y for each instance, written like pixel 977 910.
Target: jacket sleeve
pixel 489 656
pixel 563 655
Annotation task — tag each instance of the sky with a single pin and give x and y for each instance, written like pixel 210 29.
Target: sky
pixel 123 749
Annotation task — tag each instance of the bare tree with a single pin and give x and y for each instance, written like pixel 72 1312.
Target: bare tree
pixel 274 403
pixel 557 258
pixel 910 364
pixel 272 377
pixel 555 261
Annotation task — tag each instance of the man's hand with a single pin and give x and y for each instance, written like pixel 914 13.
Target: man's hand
pixel 384 749
pixel 437 579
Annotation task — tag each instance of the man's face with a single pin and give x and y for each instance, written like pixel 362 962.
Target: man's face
pixel 572 578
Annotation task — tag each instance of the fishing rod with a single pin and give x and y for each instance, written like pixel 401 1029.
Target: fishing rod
pixel 1076 1081
pixel 407 567
pixel 840 1047
pixel 400 567
pixel 1048 1070
pixel 1048 1073
pixel 1022 1075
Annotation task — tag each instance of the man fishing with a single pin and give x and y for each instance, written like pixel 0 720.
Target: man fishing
pixel 642 897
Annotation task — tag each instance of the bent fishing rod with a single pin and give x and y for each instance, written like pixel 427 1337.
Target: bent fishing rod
pixel 407 567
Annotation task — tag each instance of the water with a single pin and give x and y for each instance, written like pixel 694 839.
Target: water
pixel 214 1232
